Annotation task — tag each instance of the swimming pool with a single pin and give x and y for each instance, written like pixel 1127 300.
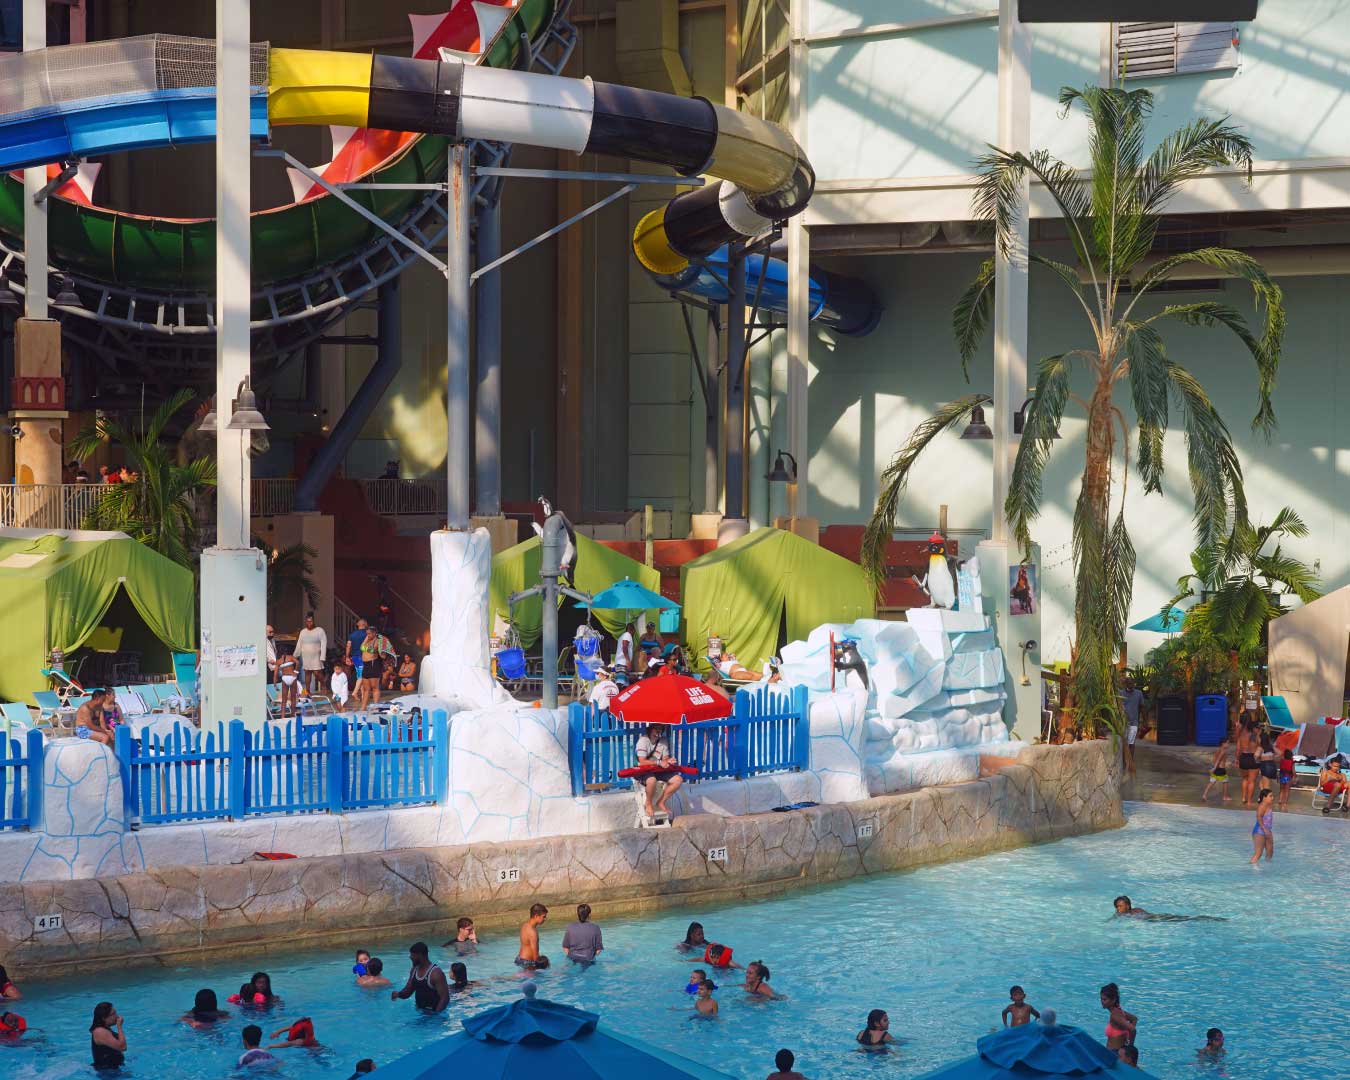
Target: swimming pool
pixel 936 947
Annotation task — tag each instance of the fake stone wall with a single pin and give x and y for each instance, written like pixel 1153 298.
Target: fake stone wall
pixel 1048 792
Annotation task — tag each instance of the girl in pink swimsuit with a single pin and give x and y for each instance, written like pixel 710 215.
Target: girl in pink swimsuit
pixel 1120 1025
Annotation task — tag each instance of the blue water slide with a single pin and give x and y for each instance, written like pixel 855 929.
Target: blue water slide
pixel 845 304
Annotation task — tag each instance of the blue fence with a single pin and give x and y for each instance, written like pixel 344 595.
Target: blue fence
pixel 21 781
pixel 769 731
pixel 342 763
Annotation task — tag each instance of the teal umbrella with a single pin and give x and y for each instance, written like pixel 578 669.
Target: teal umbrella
pixel 530 1039
pixel 1164 622
pixel 1043 1050
pixel 628 595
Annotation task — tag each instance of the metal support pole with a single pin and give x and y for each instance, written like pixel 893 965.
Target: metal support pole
pixel 233 282
pixel 1011 270
pixel 735 421
pixel 34 179
pixel 458 459
pixel 487 303
pixel 550 551
pixel 712 430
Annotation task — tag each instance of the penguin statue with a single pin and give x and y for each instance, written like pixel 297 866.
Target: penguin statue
pixel 847 658
pixel 567 562
pixel 938 581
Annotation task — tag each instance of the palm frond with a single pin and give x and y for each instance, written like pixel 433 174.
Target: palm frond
pixel 1147 359
pixel 1045 412
pixel 1069 276
pixel 881 527
pixel 1268 295
pixel 1216 473
pixel 970 317
pixel 1189 152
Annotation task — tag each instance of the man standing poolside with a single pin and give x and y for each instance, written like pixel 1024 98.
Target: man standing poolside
pixel 354 642
pixel 529 957
pixel 581 940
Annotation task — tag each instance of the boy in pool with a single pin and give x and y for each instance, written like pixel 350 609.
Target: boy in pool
pixel 300 1033
pixel 696 979
pixel 362 959
pixel 1124 907
pixel 374 978
pixel 1213 1048
pixel 253 1055
pixel 465 940
pixel 1019 1011
pixel 719 956
pixel 704 1003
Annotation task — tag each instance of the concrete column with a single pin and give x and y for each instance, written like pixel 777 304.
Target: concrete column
pixel 234 576
pixel 799 275
pixel 1022 711
pixel 39 401
pixel 1011 270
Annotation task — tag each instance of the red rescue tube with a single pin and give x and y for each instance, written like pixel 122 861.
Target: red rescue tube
pixel 644 770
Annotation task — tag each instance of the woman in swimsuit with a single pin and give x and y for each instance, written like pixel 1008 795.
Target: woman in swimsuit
pixel 1218 770
pixel 1120 1025
pixel 10 992
pixel 757 980
pixel 108 1047
pixel 1265 759
pixel 1263 832
pixel 878 1031
pixel 1246 758
pixel 205 1010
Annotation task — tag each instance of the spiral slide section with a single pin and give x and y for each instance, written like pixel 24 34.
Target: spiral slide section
pixel 158 91
pixel 158 255
pixel 842 303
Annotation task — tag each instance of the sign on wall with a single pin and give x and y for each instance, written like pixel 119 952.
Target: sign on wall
pixel 236 661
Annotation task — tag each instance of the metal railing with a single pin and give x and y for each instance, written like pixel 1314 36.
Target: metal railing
pixel 405 496
pixel 344 622
pixel 47 506
pixel 273 496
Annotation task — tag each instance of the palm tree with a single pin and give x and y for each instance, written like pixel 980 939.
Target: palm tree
pixel 1111 215
pixel 289 571
pixel 156 509
pixel 1241 583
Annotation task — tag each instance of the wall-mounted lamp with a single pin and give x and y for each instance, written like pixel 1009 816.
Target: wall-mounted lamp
pixel 783 472
pixel 1020 419
pixel 1026 647
pixel 9 299
pixel 66 296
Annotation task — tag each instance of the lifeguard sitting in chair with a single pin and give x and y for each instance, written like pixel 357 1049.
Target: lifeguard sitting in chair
pixel 655 765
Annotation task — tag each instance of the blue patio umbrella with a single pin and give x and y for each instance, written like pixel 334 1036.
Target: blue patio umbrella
pixel 1164 622
pixel 628 595
pixel 1047 1050
pixel 529 1039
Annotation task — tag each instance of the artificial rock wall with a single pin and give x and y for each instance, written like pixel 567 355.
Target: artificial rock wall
pixel 1047 792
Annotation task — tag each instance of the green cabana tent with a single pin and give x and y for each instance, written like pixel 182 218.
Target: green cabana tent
pixel 598 567
pixel 746 591
pixel 56 588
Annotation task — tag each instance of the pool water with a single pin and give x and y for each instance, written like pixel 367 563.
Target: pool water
pixel 937 948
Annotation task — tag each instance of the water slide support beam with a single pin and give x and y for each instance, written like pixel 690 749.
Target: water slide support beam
pixel 34 180
pixel 388 360
pixel 488 327
pixel 458 261
pixel 734 498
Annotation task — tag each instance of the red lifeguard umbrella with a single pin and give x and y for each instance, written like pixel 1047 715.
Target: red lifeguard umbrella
pixel 670 699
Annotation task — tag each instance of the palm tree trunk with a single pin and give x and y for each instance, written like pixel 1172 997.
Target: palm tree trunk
pixel 1095 652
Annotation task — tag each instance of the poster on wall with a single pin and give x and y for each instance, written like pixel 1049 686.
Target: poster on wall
pixel 1022 590
pixel 236 661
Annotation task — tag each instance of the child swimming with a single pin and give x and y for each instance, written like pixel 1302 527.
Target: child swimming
pixel 1019 1011
pixel 696 979
pixel 704 1003
pixel 373 979
pixel 719 956
pixel 362 959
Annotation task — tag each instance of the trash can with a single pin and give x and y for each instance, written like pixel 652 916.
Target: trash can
pixel 1173 727
pixel 1211 719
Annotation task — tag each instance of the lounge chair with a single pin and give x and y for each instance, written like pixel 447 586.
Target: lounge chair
pixel 16 712
pixel 1277 712
pixel 1321 800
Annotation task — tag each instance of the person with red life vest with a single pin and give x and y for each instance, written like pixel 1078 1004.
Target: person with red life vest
pixel 300 1033
pixel 12 1025
pixel 719 956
